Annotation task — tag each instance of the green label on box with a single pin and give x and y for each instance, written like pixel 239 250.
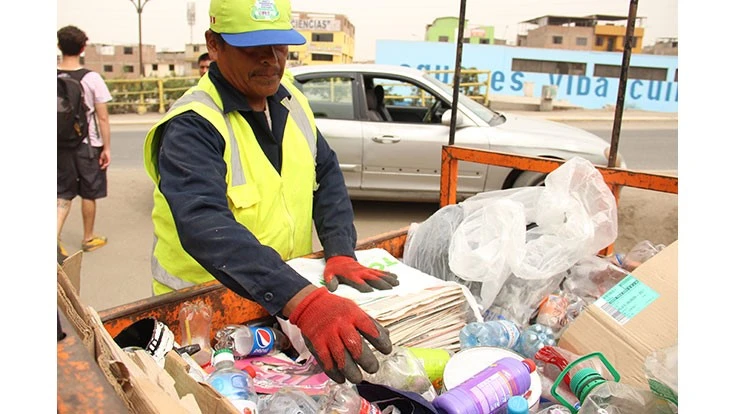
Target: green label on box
pixel 625 300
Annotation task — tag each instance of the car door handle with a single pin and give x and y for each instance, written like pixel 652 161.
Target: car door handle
pixel 386 139
pixel 349 167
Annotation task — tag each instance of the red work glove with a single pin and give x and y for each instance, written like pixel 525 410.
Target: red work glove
pixel 346 270
pixel 334 329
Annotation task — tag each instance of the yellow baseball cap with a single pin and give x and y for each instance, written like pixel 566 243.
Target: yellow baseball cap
pixel 247 23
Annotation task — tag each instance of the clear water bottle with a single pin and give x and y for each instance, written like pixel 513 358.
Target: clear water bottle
pixel 501 333
pixel 195 319
pixel 288 401
pixel 598 394
pixel 533 338
pixel 248 341
pixel 489 390
pixel 234 384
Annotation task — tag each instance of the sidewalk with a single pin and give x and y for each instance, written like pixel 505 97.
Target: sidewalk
pixel 560 115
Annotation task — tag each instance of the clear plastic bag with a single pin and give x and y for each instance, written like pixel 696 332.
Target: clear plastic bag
pixel 660 368
pixel 640 253
pixel 591 277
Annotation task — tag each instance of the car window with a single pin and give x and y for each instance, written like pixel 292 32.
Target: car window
pixel 487 114
pixel 408 102
pixel 329 97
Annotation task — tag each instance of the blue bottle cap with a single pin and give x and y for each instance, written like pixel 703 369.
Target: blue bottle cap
pixel 517 405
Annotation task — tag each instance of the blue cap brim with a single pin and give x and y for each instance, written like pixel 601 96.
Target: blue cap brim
pixel 264 38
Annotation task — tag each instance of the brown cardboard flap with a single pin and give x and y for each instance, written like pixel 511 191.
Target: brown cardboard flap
pixel 655 327
pixel 73 268
pixel 209 400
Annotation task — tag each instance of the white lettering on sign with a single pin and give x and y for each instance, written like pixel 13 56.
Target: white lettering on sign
pixel 317 24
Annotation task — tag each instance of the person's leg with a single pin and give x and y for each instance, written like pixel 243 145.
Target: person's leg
pixel 67 187
pixel 89 208
pixel 92 186
pixel 62 212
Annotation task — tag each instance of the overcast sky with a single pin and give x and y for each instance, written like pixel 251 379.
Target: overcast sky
pixel 165 21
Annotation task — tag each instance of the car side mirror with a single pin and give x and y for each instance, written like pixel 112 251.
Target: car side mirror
pixel 447 117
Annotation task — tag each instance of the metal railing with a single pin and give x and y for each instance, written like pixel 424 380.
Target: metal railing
pixel 156 94
pixel 147 94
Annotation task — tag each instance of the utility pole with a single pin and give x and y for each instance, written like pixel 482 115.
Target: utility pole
pixel 139 9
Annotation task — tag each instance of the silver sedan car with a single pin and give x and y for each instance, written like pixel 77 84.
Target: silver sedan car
pixel 387 125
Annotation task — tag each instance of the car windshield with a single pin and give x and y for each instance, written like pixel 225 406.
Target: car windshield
pixel 487 114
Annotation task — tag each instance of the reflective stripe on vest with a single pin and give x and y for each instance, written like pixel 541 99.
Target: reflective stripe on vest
pixel 162 276
pixel 237 174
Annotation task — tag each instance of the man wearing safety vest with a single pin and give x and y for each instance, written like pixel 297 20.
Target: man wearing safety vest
pixel 241 171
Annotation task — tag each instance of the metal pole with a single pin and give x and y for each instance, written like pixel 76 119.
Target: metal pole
pixel 622 84
pixel 139 10
pixel 458 66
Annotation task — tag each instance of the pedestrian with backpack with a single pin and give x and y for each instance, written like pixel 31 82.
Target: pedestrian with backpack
pixel 83 137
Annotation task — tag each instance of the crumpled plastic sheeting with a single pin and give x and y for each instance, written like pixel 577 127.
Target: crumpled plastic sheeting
pixel 576 216
pixel 485 239
pixel 427 245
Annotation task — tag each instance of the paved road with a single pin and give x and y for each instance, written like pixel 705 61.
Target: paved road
pixel 120 272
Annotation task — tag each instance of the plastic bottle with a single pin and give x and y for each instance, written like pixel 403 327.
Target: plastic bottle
pixel 195 320
pixel 533 338
pixel 487 391
pixel 248 341
pixel 345 399
pixel 554 409
pixel 517 405
pixel 501 333
pixel 600 395
pixel 553 311
pixel 288 401
pixel 234 384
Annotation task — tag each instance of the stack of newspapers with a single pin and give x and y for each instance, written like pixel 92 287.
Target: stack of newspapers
pixel 422 312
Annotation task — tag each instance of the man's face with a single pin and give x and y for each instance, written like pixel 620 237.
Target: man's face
pixel 204 65
pixel 255 71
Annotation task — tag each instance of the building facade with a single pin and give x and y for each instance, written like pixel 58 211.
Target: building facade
pixel 444 29
pixel 602 33
pixel 119 61
pixel 330 39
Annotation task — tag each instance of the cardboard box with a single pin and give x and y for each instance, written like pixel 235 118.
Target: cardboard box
pixel 636 317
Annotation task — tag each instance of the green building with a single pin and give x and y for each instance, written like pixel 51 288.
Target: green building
pixel 444 29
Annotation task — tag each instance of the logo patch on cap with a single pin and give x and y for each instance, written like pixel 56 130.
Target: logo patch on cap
pixel 264 11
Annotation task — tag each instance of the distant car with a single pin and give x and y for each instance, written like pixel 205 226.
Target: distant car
pixel 387 125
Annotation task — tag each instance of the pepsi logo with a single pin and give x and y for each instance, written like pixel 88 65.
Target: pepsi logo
pixel 263 337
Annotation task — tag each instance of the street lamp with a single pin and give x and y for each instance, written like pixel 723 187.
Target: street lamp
pixel 139 9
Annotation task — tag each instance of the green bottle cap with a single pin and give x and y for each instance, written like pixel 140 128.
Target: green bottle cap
pixel 583 382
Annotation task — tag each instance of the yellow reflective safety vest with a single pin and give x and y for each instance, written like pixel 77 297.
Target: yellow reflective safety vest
pixel 276 208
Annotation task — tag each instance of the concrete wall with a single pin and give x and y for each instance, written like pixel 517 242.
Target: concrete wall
pixel 586 91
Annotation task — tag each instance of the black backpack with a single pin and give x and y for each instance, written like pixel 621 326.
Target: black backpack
pixel 72 126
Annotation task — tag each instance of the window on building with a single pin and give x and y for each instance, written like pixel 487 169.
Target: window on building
pixel 322 37
pixel 154 66
pixel 107 68
pixel 485 41
pixel 195 48
pixel 557 40
pixel 466 40
pixel 581 41
pixel 127 50
pixel 444 39
pixel 293 55
pixel 635 72
pixel 322 57
pixel 548 66
pixel 127 68
pixel 677 72
pixel 634 42
pixel 195 65
pixel 330 97
pixel 599 41
pixel 171 68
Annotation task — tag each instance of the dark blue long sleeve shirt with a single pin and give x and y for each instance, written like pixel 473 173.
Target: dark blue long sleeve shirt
pixel 192 179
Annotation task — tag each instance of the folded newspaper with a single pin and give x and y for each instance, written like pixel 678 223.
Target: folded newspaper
pixel 422 312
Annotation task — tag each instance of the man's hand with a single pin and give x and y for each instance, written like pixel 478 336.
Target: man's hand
pixel 346 270
pixel 335 330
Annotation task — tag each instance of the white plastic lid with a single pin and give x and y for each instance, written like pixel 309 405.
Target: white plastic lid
pixel 224 354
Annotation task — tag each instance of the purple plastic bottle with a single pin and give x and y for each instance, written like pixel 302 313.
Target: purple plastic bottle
pixel 487 391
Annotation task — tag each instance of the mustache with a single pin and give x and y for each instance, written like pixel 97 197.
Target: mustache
pixel 270 71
